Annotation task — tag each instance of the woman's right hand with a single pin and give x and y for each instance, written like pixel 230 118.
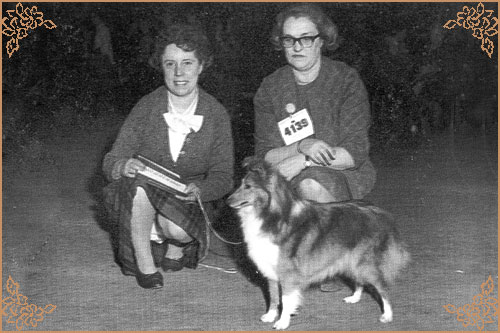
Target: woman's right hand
pixel 319 151
pixel 291 167
pixel 131 167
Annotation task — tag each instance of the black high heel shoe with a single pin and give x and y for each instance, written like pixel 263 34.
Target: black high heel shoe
pixel 146 281
pixel 188 260
pixel 174 265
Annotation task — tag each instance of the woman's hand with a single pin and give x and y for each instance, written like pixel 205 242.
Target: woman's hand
pixel 319 151
pixel 192 192
pixel 131 167
pixel 291 167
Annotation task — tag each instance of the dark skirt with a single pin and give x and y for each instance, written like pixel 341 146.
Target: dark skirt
pixel 119 196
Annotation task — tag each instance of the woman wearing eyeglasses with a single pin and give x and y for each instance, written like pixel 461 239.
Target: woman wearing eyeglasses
pixel 312 115
pixel 187 131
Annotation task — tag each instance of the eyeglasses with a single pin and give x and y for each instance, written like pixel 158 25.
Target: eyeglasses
pixel 288 41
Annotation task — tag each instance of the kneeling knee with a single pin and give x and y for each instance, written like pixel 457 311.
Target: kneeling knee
pixel 310 189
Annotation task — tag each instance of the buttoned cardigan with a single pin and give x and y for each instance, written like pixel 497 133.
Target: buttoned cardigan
pixel 338 104
pixel 207 156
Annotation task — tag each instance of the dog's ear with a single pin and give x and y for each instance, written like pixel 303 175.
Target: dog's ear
pixel 256 164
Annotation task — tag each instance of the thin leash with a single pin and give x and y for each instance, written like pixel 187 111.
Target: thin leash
pixel 209 224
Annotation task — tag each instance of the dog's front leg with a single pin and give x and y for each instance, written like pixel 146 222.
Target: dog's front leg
pixel 274 301
pixel 291 301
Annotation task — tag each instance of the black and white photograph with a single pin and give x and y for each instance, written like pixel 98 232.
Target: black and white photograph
pixel 249 166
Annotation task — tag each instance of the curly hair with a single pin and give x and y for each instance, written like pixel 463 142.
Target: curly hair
pixel 326 28
pixel 186 37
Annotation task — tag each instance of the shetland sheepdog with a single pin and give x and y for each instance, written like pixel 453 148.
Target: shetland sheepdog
pixel 295 243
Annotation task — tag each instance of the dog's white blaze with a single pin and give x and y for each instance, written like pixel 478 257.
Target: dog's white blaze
pixel 261 249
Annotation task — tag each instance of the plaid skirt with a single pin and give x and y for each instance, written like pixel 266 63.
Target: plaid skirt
pixel 118 198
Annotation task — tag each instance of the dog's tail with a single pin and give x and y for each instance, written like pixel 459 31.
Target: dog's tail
pixel 394 260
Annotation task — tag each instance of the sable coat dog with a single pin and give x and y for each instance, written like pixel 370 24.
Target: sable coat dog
pixel 295 242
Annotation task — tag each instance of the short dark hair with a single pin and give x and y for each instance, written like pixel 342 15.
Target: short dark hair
pixel 327 29
pixel 187 37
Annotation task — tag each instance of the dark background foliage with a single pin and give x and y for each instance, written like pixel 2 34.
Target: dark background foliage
pixel 421 77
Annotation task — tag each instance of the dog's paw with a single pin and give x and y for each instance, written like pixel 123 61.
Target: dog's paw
pixel 282 324
pixel 385 318
pixel 270 316
pixel 352 299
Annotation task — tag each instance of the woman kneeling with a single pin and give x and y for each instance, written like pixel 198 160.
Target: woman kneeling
pixel 186 130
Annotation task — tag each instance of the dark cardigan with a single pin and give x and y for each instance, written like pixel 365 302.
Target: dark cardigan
pixel 338 104
pixel 206 158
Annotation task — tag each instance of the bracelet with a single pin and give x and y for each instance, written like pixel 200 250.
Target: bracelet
pixel 307 162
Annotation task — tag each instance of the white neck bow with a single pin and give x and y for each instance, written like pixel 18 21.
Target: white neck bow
pixel 183 124
pixel 186 122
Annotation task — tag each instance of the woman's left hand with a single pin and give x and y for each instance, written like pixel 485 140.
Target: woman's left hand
pixel 319 151
pixel 192 191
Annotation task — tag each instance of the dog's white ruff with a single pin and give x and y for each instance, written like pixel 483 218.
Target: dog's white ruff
pixel 261 249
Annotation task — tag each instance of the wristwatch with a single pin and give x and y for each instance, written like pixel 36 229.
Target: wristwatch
pixel 307 162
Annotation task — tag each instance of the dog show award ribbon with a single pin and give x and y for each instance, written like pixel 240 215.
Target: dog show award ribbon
pixel 297 126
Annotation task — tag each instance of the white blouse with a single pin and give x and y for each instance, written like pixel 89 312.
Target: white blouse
pixel 180 124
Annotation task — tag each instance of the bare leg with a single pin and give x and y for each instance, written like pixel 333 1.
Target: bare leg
pixel 173 231
pixel 142 219
pixel 310 189
pixel 274 294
